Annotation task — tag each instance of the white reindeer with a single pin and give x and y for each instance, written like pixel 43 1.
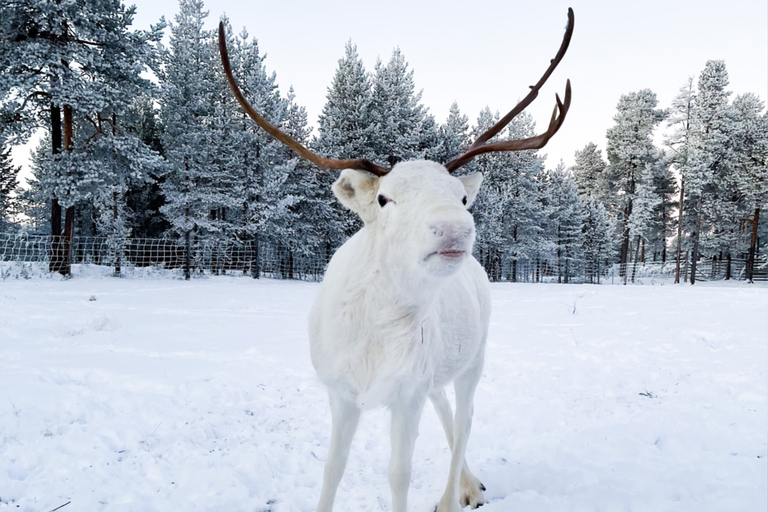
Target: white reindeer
pixel 403 309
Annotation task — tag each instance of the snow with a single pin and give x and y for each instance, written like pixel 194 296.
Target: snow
pixel 159 394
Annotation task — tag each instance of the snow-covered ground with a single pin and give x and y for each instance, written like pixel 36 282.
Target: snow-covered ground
pixel 160 394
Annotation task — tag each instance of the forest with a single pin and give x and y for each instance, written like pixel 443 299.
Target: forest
pixel 145 141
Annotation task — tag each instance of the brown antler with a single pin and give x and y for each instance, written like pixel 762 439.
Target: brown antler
pixel 538 141
pixel 326 163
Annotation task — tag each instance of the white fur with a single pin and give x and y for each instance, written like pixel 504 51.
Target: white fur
pixel 395 320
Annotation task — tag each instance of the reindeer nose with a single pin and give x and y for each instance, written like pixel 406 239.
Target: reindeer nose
pixel 452 227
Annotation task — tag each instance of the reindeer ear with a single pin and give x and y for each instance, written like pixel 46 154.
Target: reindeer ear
pixel 357 191
pixel 471 184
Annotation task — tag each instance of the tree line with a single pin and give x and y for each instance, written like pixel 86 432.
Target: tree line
pixel 146 141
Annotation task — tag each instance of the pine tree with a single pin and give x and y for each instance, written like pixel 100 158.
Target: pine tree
pixel 345 130
pixel 632 156
pixel 523 231
pixel 488 209
pixel 262 165
pixel 196 131
pixel 453 136
pixel 680 144
pixel 597 234
pixel 751 169
pixel 9 189
pixel 145 200
pixel 403 128
pixel 589 173
pixel 711 164
pixel 564 210
pixel 70 63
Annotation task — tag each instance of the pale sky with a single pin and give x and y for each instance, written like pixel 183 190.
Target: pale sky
pixel 488 52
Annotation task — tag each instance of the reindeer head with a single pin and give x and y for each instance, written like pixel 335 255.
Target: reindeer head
pixel 416 214
pixel 418 200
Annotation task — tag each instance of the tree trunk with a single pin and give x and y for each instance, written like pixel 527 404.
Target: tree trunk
pixel 255 270
pixel 637 251
pixel 55 264
pixel 753 247
pixel 69 217
pixel 728 268
pixel 118 248
pixel 679 231
pixel 187 249
pixel 625 250
pixel 695 252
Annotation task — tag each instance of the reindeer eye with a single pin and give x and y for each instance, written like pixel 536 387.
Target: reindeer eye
pixel 464 200
pixel 383 200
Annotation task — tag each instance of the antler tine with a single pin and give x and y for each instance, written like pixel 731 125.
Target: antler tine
pixel 537 142
pixel 326 163
pixel 472 151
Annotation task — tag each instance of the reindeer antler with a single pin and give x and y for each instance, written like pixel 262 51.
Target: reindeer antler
pixel 537 142
pixel 326 163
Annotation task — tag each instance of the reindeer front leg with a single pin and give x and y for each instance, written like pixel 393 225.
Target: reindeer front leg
pixel 465 390
pixel 470 488
pixel 344 417
pixel 406 413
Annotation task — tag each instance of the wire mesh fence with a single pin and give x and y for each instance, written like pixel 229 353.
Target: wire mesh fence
pixel 199 256
pixel 126 255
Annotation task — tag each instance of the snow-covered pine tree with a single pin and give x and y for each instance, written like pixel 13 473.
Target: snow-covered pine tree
pixel 632 155
pixel 145 200
pixel 403 128
pixel 522 225
pixel 597 238
pixel 345 130
pixel 70 63
pixel 751 147
pixel 197 129
pixel 589 173
pixel 565 213
pixel 453 136
pixel 712 161
pixel 310 208
pixel 260 164
pixel 488 209
pixel 680 143
pixel 9 189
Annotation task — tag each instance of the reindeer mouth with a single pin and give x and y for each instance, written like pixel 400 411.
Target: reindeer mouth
pixel 452 254
pixel 448 254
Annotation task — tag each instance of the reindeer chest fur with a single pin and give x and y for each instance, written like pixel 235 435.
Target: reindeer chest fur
pixel 373 347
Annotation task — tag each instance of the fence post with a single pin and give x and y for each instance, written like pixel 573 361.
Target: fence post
pixel 186 255
pixel 255 270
